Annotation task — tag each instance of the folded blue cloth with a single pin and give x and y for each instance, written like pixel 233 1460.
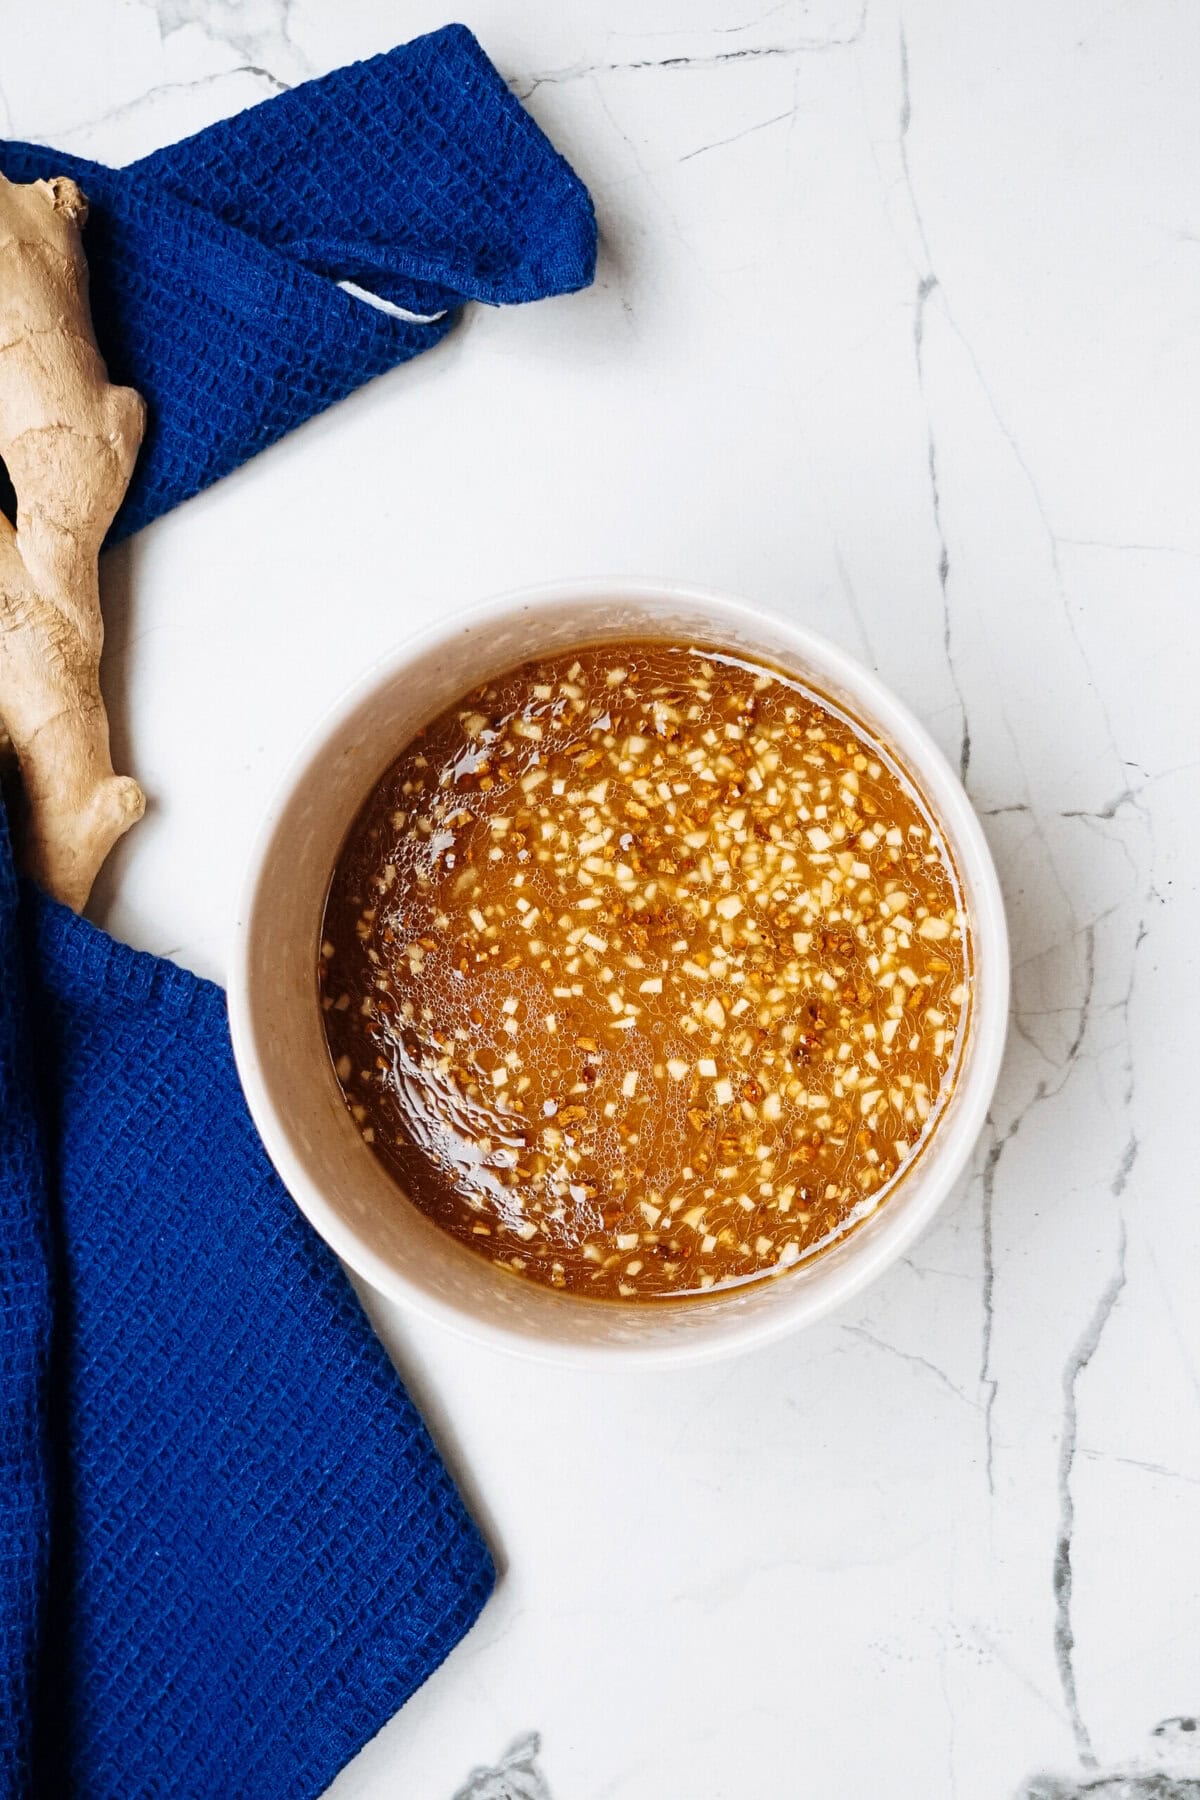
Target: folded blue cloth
pixel 215 263
pixel 228 1549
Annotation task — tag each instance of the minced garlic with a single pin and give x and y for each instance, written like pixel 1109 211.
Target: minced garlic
pixel 649 964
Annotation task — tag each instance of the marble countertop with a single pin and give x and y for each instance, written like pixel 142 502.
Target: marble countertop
pixel 896 328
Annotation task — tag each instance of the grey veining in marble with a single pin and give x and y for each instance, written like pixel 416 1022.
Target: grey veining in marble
pixel 515 1777
pixel 1169 1769
pixel 896 326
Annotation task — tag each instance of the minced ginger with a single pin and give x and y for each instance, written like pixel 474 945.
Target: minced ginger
pixel 645 970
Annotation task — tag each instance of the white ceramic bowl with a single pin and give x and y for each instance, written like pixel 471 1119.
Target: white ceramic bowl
pixel 279 1038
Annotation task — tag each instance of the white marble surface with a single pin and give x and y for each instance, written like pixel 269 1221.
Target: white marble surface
pixel 898 327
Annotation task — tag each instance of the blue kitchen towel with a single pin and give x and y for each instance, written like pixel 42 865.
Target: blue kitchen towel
pixel 216 263
pixel 228 1548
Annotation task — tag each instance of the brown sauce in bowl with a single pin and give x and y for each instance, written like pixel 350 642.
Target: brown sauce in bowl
pixel 645 971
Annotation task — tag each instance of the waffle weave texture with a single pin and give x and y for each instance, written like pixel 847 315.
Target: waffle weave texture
pixel 228 1548
pixel 215 262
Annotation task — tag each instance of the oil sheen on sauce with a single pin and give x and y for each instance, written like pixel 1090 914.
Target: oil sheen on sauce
pixel 645 971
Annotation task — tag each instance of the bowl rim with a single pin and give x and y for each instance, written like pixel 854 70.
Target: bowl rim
pixel 915 748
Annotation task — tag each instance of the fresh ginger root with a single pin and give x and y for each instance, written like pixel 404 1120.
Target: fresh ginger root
pixel 69 440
